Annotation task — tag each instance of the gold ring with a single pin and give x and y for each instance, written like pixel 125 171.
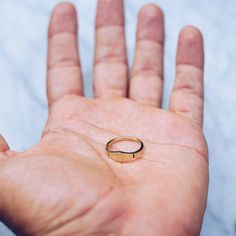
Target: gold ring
pixel 122 156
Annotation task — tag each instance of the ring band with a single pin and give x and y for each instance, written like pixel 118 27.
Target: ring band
pixel 122 156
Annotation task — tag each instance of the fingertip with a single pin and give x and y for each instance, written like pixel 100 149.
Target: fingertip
pixel 191 34
pixel 151 10
pixel 64 7
pixel 151 23
pixel 190 47
pixel 110 13
pixel 63 18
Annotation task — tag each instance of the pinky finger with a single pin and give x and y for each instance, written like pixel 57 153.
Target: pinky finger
pixel 187 95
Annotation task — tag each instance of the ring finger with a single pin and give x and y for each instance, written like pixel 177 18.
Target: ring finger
pixel 147 73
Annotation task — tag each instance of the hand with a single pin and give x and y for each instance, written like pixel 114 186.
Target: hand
pixel 67 185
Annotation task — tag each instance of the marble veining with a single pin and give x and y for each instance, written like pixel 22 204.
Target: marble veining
pixel 23 105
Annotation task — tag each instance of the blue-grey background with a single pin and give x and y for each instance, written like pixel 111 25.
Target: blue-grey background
pixel 23 107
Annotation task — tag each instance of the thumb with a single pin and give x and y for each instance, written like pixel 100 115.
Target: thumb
pixel 3 145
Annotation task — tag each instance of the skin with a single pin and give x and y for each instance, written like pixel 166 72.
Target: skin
pixel 66 184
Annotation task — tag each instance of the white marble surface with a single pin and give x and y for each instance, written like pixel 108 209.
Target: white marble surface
pixel 23 107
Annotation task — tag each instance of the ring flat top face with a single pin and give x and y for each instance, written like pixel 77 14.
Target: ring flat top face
pixel 124 156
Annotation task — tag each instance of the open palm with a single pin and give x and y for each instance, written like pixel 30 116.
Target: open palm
pixel 67 185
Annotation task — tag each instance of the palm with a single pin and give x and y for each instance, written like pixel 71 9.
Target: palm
pixel 69 180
